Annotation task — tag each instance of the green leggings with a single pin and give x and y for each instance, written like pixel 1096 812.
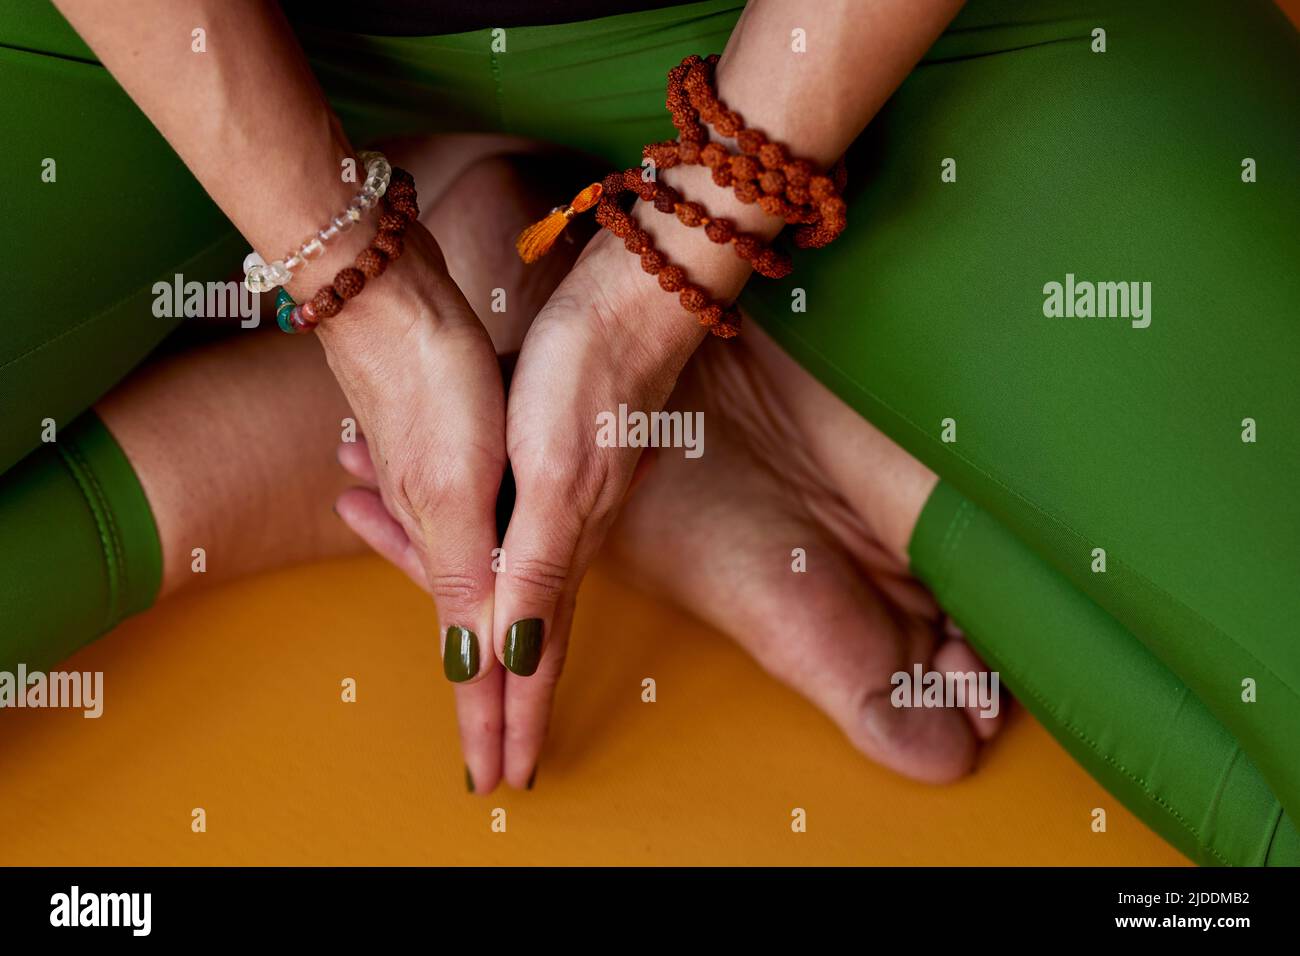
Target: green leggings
pixel 1062 441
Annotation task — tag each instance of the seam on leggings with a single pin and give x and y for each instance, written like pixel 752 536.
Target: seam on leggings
pixel 68 331
pixel 1037 509
pixel 116 558
pixel 494 67
pixel 965 513
pixel 1133 777
pixel 947 534
pixel 1026 687
pixel 948 548
pixel 109 539
pixel 947 544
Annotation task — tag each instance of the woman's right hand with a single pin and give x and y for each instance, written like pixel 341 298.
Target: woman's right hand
pixel 423 381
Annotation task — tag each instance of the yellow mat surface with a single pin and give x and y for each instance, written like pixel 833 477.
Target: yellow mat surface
pixel 230 700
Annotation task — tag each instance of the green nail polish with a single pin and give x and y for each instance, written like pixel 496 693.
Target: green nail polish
pixel 524 646
pixel 469 781
pixel 533 779
pixel 460 654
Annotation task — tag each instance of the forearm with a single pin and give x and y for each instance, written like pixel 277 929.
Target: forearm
pixel 817 102
pixel 246 115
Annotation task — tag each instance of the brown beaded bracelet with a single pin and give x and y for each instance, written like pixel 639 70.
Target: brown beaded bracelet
pixel 723 321
pixel 764 172
pixel 766 261
pixel 400 208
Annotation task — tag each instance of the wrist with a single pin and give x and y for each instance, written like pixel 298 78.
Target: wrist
pixel 415 292
pixel 715 267
pixel 628 306
pixel 341 249
pixel 312 190
pixel 339 254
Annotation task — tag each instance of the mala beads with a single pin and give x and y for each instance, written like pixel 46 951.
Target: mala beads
pixel 722 321
pixel 400 208
pixel 261 277
pixel 766 261
pixel 762 172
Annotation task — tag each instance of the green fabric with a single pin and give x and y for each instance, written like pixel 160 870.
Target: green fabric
pixel 1078 434
pixel 78 546
pixel 1101 693
pixel 1072 434
pixel 82 252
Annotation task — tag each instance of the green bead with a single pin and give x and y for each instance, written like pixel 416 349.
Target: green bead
pixel 282 319
pixel 284 305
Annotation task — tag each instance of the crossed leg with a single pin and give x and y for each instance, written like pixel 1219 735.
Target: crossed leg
pixel 235 446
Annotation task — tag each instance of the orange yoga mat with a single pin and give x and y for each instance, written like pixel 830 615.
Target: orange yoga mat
pixel 230 701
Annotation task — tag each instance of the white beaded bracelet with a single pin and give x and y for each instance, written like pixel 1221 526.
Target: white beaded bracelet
pixel 261 277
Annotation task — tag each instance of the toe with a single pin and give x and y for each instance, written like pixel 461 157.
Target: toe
pixel 985 717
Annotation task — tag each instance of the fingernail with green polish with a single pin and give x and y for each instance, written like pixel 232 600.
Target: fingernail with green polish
pixel 469 780
pixel 524 646
pixel 460 654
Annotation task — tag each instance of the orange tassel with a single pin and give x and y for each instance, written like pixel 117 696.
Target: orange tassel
pixel 536 241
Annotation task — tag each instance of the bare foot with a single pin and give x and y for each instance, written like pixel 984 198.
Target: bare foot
pixel 786 466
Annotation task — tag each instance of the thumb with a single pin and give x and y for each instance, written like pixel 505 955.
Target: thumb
pixel 535 569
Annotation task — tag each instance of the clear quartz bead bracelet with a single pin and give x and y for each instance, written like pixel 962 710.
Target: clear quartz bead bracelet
pixel 261 276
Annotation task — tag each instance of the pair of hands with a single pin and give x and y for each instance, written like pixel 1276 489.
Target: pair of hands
pixel 423 379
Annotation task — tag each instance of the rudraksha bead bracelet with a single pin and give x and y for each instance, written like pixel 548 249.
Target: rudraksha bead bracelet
pixel 766 261
pixel 400 208
pixel 721 320
pixel 763 172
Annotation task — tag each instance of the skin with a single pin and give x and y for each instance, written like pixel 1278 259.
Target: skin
pixel 607 335
pixel 714 536
pixel 784 467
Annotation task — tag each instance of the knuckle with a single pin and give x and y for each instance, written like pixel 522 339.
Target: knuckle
pixel 543 579
pixel 413 490
pixel 570 483
pixel 422 487
pixel 453 590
